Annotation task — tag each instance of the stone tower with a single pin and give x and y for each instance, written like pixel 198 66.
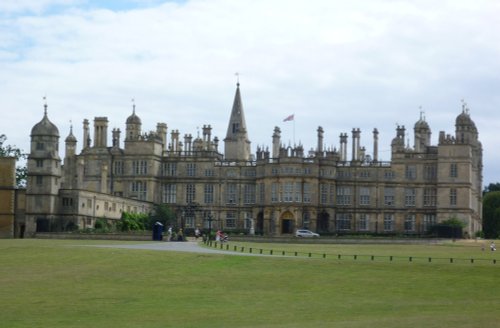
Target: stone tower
pixel 44 174
pixel 422 134
pixel 133 129
pixel 460 171
pixel 236 143
pixel 69 167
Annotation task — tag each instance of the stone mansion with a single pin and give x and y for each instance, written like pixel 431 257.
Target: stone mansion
pixel 272 192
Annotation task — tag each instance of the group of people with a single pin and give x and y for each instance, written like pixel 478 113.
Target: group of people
pixel 179 236
pixel 220 236
pixel 493 247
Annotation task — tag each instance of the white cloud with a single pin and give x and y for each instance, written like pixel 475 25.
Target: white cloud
pixel 32 6
pixel 337 64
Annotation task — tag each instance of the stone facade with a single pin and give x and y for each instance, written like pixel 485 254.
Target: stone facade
pixel 7 196
pixel 272 192
pixel 12 201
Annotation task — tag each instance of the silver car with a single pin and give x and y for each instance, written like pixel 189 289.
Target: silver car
pixel 305 233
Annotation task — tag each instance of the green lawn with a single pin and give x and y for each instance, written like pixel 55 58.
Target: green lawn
pixel 54 283
pixel 459 251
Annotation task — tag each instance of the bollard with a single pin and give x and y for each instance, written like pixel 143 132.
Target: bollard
pixel 355 257
pixel 261 251
pixel 410 258
pixel 471 260
pixel 340 256
pixel 430 259
pixel 250 250
pixel 283 253
pixel 494 261
pixel 310 254
pixel 451 260
pixel 390 258
pixel 324 255
pixel 296 254
pixel 271 252
pixel 373 257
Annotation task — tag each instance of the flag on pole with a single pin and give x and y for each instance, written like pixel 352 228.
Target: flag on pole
pixel 289 118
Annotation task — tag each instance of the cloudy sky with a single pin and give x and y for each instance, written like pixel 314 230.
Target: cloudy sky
pixel 338 64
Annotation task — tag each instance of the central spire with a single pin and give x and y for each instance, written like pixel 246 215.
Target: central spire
pixel 237 145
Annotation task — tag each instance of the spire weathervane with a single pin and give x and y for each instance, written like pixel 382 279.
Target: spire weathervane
pixel 237 79
pixel 45 104
pixel 133 105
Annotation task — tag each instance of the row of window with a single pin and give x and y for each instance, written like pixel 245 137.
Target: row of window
pixel 68 202
pixel 41 145
pixel 41 180
pixel 140 167
pixel 429 173
pixel 171 169
pixel 230 220
pixel 41 163
pixel 345 222
pixel 298 192
pixel 231 196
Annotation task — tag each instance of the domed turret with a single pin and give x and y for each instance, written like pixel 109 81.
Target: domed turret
pixel 422 133
pixel 464 120
pixel 465 128
pixel 133 119
pixel 70 138
pixel 133 123
pixel 70 142
pixel 45 127
pixel 421 124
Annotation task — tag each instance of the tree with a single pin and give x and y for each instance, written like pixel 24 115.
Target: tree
pixel 164 214
pixel 492 187
pixel 13 151
pixel 491 214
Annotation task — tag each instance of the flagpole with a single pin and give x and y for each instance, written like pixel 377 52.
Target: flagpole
pixel 291 118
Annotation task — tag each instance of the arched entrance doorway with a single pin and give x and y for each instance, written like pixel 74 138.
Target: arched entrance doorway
pixel 287 223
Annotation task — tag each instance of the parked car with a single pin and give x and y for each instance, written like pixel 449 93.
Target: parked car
pixel 305 233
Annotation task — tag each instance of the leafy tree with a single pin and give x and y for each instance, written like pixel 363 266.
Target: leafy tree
pixel 491 214
pixel 13 151
pixel 164 214
pixel 133 222
pixel 103 225
pixel 453 222
pixel 492 187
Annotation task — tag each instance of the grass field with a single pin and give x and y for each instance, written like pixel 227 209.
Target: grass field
pixel 55 283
